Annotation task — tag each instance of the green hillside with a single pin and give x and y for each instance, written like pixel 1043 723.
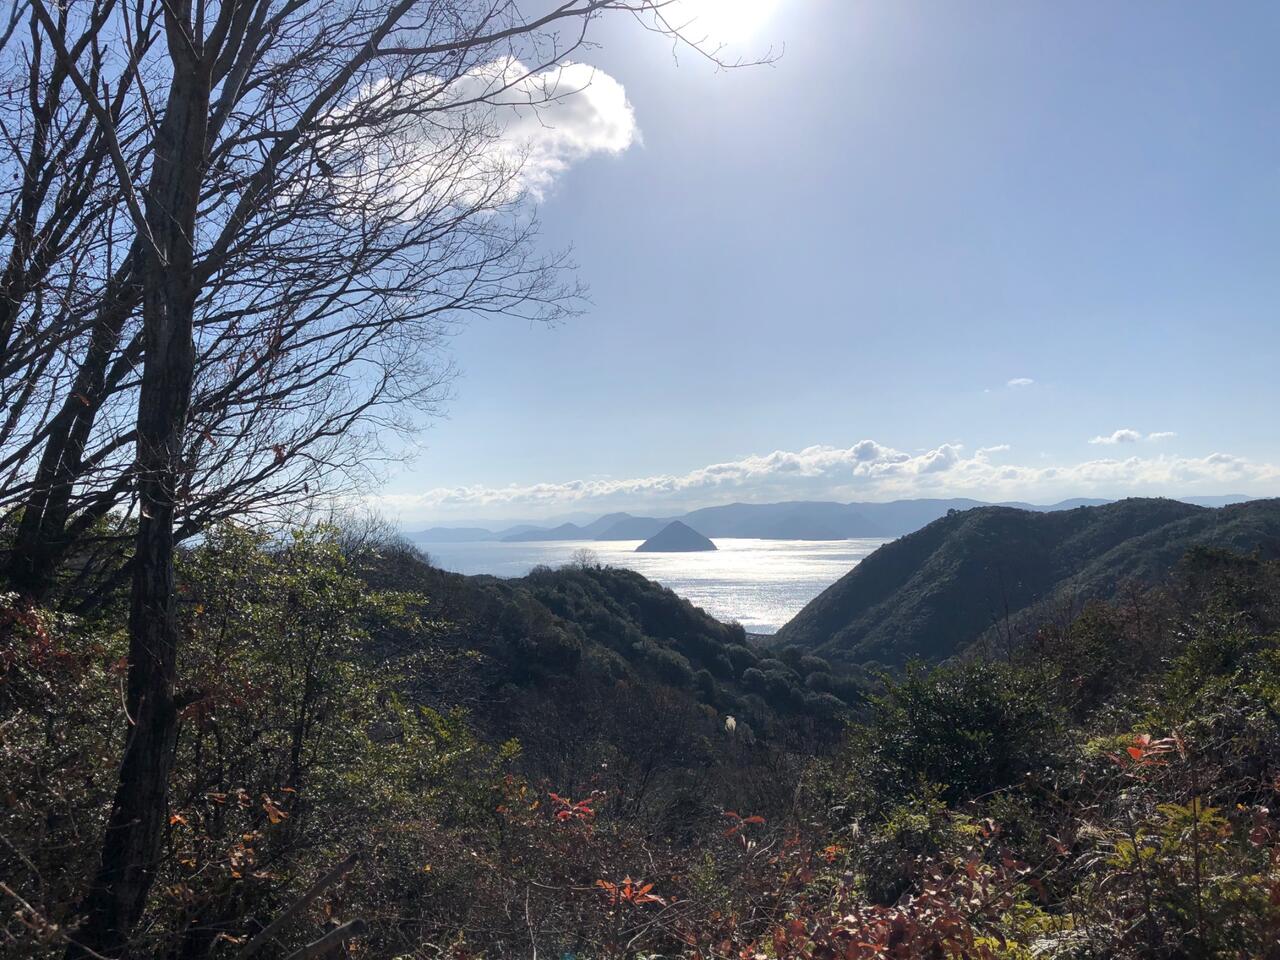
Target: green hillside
pixel 996 571
pixel 537 655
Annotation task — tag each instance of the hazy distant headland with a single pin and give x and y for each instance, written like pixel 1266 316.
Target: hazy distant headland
pixel 788 520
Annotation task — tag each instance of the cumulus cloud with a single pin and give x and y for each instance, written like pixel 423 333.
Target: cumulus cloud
pixel 1123 435
pixel 1017 382
pixel 866 470
pixel 580 111
pixel 1126 435
pixel 502 132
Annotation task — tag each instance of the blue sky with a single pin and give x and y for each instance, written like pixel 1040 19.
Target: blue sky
pixel 875 239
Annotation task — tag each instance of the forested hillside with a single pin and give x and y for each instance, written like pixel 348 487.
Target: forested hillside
pixel 580 763
pixel 997 572
pixel 541 653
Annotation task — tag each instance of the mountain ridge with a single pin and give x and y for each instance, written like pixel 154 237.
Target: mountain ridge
pixel 784 520
pixel 995 571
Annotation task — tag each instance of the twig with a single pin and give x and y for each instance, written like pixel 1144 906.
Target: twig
pixel 317 888
pixel 330 941
pixel 47 924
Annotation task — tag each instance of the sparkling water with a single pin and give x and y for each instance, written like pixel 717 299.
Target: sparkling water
pixel 760 583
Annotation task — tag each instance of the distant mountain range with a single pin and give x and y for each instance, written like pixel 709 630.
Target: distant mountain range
pixel 999 572
pixel 789 520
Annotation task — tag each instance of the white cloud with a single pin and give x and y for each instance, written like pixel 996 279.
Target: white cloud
pixel 587 113
pixel 1126 435
pixel 500 132
pixel 865 470
pixel 1017 382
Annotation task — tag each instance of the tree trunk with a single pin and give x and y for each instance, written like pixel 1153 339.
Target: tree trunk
pixel 136 827
pixel 41 541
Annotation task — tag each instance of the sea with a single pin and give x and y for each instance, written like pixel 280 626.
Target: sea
pixel 759 583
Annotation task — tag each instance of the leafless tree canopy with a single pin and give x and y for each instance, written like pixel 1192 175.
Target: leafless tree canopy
pixel 351 208
pixel 236 231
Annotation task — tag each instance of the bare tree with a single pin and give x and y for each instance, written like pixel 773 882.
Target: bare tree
pixel 61 228
pixel 239 231
pixel 317 308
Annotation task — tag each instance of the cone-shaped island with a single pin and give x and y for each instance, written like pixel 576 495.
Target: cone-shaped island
pixel 676 537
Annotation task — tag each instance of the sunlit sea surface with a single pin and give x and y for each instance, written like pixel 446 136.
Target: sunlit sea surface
pixel 760 583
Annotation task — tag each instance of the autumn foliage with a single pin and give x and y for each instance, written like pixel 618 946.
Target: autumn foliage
pixel 978 810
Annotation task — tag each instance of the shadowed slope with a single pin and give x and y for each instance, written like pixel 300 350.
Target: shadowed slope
pixel 932 593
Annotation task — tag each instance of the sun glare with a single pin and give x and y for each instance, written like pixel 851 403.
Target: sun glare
pixel 724 21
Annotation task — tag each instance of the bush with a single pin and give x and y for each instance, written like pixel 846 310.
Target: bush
pixel 741 657
pixel 969 729
pixel 671 667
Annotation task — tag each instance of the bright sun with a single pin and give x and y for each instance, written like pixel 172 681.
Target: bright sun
pixel 723 21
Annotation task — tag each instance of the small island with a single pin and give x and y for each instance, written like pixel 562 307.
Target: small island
pixel 676 537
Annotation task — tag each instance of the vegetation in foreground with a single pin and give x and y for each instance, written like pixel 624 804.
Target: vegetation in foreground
pixel 553 773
